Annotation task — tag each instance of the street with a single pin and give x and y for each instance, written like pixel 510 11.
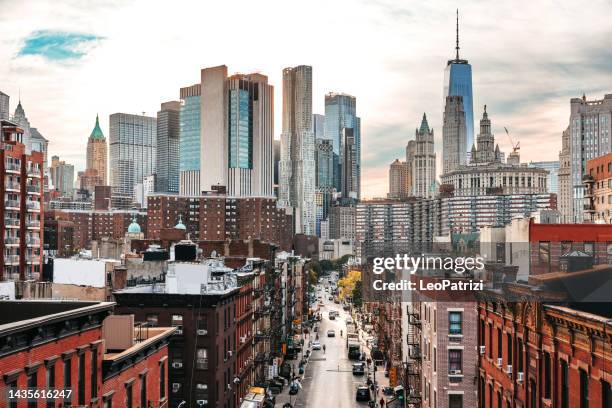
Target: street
pixel 328 378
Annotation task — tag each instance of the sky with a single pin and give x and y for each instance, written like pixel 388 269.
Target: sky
pixel 72 59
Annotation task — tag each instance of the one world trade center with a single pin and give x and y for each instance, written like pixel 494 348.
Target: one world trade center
pixel 458 82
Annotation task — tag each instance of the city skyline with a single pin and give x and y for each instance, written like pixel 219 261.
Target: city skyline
pixel 526 83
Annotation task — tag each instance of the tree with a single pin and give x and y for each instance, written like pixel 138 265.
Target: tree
pixel 357 295
pixel 347 284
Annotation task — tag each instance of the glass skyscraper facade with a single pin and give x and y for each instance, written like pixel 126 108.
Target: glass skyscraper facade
pixel 190 134
pixel 340 114
pixel 240 129
pixel 458 82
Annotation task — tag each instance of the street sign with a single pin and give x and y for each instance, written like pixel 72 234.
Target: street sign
pixel 393 377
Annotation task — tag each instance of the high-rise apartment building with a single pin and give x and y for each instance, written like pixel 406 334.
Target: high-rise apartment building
pixel 453 134
pixel 324 171
pixel 297 165
pixel 590 128
pixel 189 144
pixel 168 138
pixel 458 82
pixel 424 162
pixel 133 151
pixel 4 106
pixel 21 227
pixel 318 126
pixel 564 181
pixel 62 176
pixel 349 171
pixel 97 154
pixel 400 179
pixel 340 114
pixel 598 190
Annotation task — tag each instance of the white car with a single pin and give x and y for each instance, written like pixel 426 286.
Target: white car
pixel 331 333
pixel 316 345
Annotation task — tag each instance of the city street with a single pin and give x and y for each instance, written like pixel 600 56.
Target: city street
pixel 328 378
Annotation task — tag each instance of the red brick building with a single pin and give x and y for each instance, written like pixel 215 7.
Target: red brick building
pixel 543 355
pixel 598 190
pixel 65 346
pixel 22 211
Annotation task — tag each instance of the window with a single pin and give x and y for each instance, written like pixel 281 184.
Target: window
pixel 143 391
pixel 128 395
pixel 547 375
pixel 67 379
pixel 589 248
pixel 606 395
pixel 490 340
pixel 202 323
pixel 51 382
pixel 202 359
pixel 177 320
pixel 564 385
pixel 584 389
pixel 201 392
pixel 509 347
pixel 81 385
pixel 519 356
pixel 499 343
pixel 32 384
pixel 455 401
pixel 454 361
pixel 12 386
pixel 94 373
pixel 108 402
pixel 454 323
pixel 499 399
pixel 162 379
pixel 435 364
pixel 544 254
pixel 152 319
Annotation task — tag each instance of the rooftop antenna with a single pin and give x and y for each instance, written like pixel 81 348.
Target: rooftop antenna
pixel 457 46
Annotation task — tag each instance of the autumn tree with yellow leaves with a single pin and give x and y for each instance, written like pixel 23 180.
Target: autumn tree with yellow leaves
pixel 347 284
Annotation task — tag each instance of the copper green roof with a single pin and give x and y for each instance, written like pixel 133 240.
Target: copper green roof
pixel 424 125
pixel 96 133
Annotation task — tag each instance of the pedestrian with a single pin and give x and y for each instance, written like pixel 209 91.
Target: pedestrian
pixel 324 349
pixel 382 403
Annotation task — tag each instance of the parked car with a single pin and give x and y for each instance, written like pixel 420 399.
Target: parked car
pixel 316 345
pixel 331 333
pixel 358 369
pixel 362 394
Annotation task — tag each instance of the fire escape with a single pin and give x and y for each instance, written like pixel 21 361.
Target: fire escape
pixel 413 365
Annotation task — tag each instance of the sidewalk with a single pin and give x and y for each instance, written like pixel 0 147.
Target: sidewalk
pixel 381 380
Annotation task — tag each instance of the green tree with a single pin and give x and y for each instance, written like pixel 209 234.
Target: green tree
pixel 357 294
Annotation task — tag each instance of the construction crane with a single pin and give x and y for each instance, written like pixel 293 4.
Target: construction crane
pixel 516 146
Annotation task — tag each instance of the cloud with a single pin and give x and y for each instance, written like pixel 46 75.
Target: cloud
pixel 58 45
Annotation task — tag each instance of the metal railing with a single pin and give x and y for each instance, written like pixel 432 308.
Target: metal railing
pixel 11 203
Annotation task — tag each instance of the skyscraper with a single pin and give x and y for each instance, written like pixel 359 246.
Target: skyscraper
pixel 590 128
pixel 400 179
pixel 341 113
pixel 62 176
pixel 458 82
pixel 424 162
pixel 97 156
pixel 133 151
pixel 348 159
pixel 189 145
pixel 4 106
pixel 453 134
pixel 236 132
pixel 168 133
pixel 564 179
pixel 297 165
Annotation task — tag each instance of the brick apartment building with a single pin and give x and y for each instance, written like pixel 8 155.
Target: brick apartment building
pixel 22 211
pixel 534 354
pixel 219 217
pixel 598 190
pixel 78 346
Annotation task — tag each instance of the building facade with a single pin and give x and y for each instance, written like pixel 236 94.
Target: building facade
pixel 424 162
pixel 564 180
pixel 454 134
pixel 400 179
pixel 4 106
pixel 168 142
pixel 133 151
pixel 62 176
pixel 97 155
pixel 590 131
pixel 22 214
pixel 552 181
pixel 297 164
pixel 598 190
pixel 189 144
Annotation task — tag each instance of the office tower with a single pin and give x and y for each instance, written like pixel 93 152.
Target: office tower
pixel 590 127
pixel 553 174
pixel 297 167
pixel 400 179
pixel 62 176
pixel 236 133
pixel 4 106
pixel 564 181
pixel 22 121
pixel 340 113
pixel 133 151
pixel 318 126
pixel 97 154
pixel 453 134
pixel 324 170
pixel 168 134
pixel 458 82
pixel 189 144
pixel 424 162
pixel 22 228
pixel 277 149
pixel 349 172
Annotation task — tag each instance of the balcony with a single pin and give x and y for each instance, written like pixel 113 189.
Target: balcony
pixel 11 259
pixel 12 186
pixel 11 222
pixel 11 204
pixel 11 240
pixel 32 259
pixel 33 172
pixel 12 167
pixel 33 241
pixel 33 223
pixel 33 205
pixel 33 189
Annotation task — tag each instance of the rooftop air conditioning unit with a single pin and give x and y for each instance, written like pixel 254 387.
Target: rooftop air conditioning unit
pixel 202 332
pixel 176 387
pixel 201 403
pixel 499 362
pixel 177 365
pixel 455 372
pixel 482 350
pixel 520 376
pixel 509 369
